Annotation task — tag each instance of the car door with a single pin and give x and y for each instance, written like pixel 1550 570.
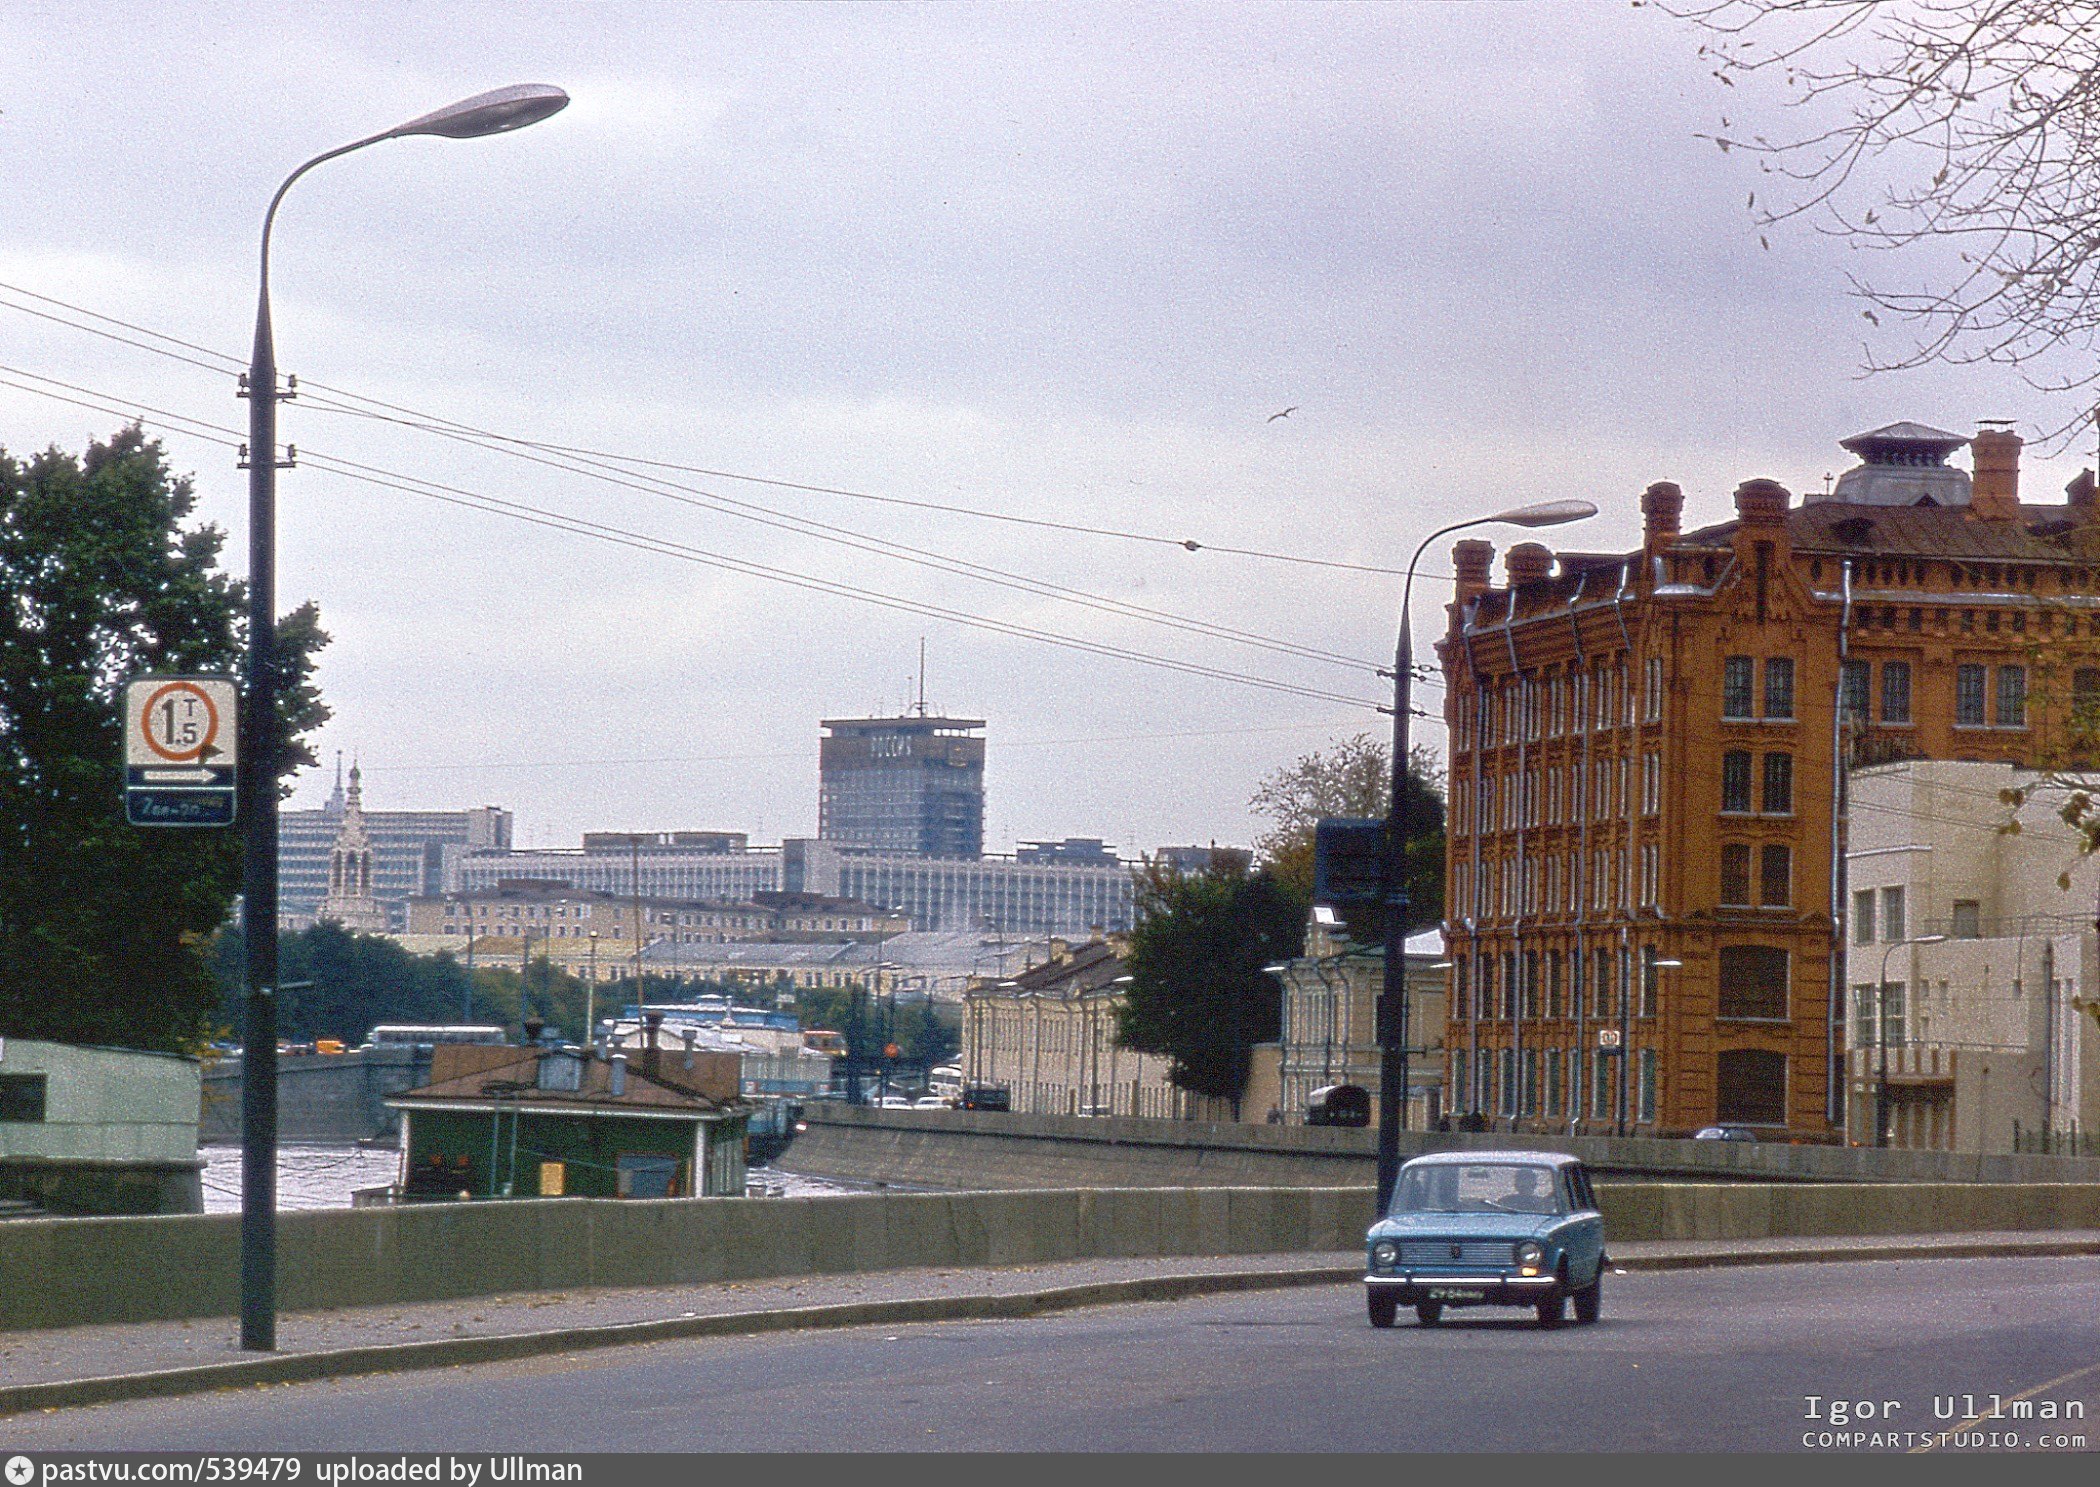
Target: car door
pixel 1585 1243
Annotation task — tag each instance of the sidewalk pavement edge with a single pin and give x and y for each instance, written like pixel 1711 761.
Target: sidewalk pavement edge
pixel 294 1368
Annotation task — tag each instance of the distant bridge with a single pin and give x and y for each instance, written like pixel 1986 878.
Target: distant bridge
pixel 320 1096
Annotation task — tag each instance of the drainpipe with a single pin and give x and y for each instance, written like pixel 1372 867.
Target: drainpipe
pixel 1518 988
pixel 1624 978
pixel 1472 1082
pixel 1834 1111
pixel 1578 984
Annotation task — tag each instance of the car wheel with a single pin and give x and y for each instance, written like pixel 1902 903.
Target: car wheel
pixel 1553 1310
pixel 1429 1313
pixel 1384 1308
pixel 1590 1299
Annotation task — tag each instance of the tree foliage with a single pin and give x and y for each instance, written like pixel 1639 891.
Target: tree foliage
pixel 103 925
pixel 1354 779
pixel 1961 137
pixel 1197 994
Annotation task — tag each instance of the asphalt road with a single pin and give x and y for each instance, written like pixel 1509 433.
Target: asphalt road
pixel 1688 1360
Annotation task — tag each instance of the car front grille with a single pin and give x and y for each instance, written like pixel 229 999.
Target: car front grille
pixel 1415 1252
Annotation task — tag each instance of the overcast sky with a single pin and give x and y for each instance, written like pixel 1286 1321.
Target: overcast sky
pixel 1056 261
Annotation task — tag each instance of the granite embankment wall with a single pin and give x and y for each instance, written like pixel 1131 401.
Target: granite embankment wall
pixel 320 1097
pixel 68 1272
pixel 981 1150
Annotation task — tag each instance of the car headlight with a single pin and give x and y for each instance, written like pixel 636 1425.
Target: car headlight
pixel 1531 1256
pixel 1385 1254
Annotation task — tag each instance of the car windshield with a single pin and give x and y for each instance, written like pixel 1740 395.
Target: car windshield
pixel 1484 1187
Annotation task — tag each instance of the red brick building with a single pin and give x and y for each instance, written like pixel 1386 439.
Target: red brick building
pixel 1647 755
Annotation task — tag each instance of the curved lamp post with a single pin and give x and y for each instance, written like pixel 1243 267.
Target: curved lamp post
pixel 1393 1063
pixel 485 113
pixel 1881 1032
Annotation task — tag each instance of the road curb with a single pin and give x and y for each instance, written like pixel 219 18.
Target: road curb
pixel 452 1352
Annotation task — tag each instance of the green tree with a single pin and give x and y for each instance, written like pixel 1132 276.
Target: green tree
pixel 1354 779
pixel 1197 994
pixel 104 926
pixel 339 984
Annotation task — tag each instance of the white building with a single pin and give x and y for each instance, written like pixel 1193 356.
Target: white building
pixel 1971 892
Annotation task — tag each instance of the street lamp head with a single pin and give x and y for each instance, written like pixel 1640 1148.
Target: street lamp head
pixel 1547 513
pixel 1275 970
pixel 495 112
pixel 1928 939
pixel 1667 965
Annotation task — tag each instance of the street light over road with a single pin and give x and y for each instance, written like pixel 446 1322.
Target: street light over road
pixel 1394 1065
pixel 486 113
pixel 1881 1034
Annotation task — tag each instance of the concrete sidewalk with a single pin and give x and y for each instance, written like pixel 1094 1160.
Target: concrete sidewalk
pixel 89 1365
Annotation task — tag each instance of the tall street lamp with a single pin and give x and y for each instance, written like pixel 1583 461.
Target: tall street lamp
pixel 1393 1062
pixel 485 113
pixel 1881 1034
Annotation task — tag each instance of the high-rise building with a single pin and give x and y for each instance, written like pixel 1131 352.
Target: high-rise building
pixel 911 784
pixel 412 852
pixel 1646 899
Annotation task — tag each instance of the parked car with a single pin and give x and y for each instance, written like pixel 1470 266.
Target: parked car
pixel 1488 1228
pixel 893 1102
pixel 930 1102
pixel 1724 1133
pixel 986 1097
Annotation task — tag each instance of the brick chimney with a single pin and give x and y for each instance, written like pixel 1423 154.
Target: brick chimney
pixel 652 1024
pixel 1761 503
pixel 1995 492
pixel 1527 562
pixel 1472 560
pixel 2078 495
pixel 1662 510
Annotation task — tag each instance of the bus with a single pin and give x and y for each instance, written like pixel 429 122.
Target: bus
pixel 427 1034
pixel 824 1041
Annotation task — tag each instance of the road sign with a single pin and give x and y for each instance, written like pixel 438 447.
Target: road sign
pixel 1608 1039
pixel 180 750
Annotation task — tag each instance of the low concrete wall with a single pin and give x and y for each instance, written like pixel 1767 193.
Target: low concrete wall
pixel 979 1150
pixel 71 1272
pixel 75 1271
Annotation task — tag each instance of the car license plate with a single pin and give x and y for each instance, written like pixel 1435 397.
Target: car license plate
pixel 1453 1293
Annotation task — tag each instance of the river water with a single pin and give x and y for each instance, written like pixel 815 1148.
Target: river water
pixel 325 1174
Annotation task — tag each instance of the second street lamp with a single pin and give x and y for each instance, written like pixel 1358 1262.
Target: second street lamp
pixel 486 113
pixel 1393 1064
pixel 1881 1033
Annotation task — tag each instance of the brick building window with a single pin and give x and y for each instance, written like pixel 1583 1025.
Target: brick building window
pixel 1735 781
pixel 1651 782
pixel 1779 688
pixel 1778 797
pixel 1855 686
pixel 1650 1078
pixel 1753 983
pixel 1895 692
pixel 1775 876
pixel 1735 874
pixel 1735 687
pixel 1968 696
pixel 1601 1088
pixel 1601 986
pixel 1652 692
pixel 1892 915
pixel 1863 917
pixel 1553 1081
pixel 1750 1087
pixel 2012 696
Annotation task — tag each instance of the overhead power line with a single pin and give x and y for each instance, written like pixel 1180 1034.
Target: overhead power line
pixel 188 426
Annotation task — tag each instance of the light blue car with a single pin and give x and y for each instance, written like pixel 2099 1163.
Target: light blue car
pixel 1488 1228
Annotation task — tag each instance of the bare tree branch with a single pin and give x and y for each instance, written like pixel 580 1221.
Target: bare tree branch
pixel 1966 145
